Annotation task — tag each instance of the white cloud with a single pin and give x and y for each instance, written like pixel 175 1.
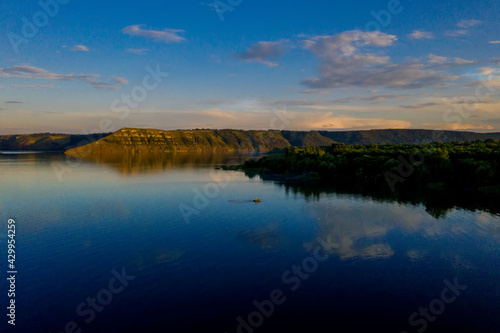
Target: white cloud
pixel 264 53
pixel 80 48
pixel 466 24
pixel 348 42
pixel 464 28
pixel 457 33
pixel 460 61
pixel 343 64
pixel 434 59
pixel 418 34
pixel 165 36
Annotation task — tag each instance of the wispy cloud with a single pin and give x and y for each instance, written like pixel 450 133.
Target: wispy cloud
pixel 330 121
pixel 421 105
pixel 120 80
pixel 80 48
pixel 380 98
pixel 344 64
pixel 452 101
pixel 466 24
pixel 418 34
pixel 264 53
pixel 314 91
pixel 434 59
pixel 165 36
pixel 486 70
pixel 258 119
pixel 307 103
pixel 13 102
pixel 35 87
pixel 30 72
pixel 138 51
pixel 104 85
pixel 460 61
pixel 495 42
pixel 464 28
pixel 457 33
pixel 458 127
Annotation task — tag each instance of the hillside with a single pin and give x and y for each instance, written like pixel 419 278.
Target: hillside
pixel 150 140
pixel 405 136
pixel 44 141
pixel 155 141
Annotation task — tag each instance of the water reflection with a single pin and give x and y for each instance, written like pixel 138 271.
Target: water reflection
pixel 390 257
pixel 437 204
pixel 131 164
pixel 368 233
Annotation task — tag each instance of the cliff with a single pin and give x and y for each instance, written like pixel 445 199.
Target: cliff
pixel 154 141
pixel 134 140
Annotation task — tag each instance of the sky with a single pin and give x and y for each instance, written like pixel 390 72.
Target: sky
pixel 72 66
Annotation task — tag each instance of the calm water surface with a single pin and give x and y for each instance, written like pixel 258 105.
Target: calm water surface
pixel 200 268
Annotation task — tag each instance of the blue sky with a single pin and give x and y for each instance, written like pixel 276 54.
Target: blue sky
pixel 249 64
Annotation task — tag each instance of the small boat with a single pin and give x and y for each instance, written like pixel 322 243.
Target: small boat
pixel 257 200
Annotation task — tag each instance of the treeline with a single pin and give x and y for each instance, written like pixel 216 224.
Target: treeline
pixel 472 166
pixel 46 141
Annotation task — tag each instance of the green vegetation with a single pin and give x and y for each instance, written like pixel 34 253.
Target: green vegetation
pixel 473 166
pixel 130 140
pixel 406 136
pixel 46 141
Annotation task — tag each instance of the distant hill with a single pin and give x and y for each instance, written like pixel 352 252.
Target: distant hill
pixel 406 136
pixel 151 140
pixel 45 141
